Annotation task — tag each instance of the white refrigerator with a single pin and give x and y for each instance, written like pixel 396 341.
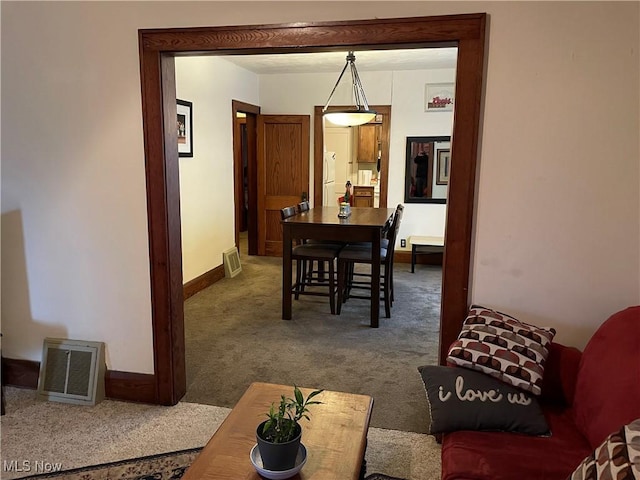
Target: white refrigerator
pixel 329 198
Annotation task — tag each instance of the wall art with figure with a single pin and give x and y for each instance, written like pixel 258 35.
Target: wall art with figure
pixel 421 185
pixel 185 128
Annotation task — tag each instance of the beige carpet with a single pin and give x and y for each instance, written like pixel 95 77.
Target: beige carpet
pixel 76 436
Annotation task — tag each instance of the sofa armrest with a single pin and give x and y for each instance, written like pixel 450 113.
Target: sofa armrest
pixel 560 375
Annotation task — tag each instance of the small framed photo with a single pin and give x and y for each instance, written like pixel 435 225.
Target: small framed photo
pixel 185 128
pixel 444 164
pixel 439 97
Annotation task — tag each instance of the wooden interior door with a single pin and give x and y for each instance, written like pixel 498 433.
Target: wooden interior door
pixel 283 174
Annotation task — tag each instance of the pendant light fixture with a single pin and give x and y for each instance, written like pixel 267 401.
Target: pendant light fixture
pixel 361 113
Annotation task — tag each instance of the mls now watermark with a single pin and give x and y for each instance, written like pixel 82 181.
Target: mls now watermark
pixel 33 466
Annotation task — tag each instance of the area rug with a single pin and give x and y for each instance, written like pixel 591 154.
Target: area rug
pixel 163 466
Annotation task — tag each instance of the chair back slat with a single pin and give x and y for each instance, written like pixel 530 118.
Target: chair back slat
pixel 395 225
pixel 303 206
pixel 287 212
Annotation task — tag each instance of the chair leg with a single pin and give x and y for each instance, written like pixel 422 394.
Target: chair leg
pixel 388 292
pixel 391 281
pixel 341 277
pixel 303 277
pixel 299 278
pixel 332 288
pixel 349 269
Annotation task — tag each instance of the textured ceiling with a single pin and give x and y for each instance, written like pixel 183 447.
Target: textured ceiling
pixel 371 60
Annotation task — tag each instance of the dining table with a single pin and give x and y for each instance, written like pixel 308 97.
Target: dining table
pixel 363 224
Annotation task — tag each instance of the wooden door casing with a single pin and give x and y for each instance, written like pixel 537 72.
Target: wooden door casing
pixel 158 48
pixel 251 112
pixel 283 173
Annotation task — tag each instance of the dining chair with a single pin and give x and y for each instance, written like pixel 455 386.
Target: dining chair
pixel 317 274
pixel 305 254
pixel 361 253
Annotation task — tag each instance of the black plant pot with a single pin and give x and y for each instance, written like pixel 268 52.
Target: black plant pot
pixel 278 456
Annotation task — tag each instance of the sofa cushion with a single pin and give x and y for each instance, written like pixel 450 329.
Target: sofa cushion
pixel 506 348
pixel 560 373
pixel 617 457
pixel 473 455
pixel 461 399
pixel 607 394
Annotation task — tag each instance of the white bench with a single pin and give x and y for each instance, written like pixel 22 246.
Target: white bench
pixel 421 245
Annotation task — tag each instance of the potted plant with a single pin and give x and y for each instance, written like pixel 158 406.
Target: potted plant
pixel 279 436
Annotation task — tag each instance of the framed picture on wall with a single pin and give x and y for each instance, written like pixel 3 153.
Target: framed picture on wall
pixel 422 170
pixel 444 163
pixel 439 97
pixel 185 128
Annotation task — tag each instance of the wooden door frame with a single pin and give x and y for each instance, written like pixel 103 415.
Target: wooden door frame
pixel 157 48
pixel 238 177
pixel 318 150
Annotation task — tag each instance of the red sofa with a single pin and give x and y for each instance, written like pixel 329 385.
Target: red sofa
pixel 585 397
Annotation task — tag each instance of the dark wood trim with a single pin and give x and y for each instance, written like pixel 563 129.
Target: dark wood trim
pixel 462 185
pixel 157 48
pixel 403 256
pixel 252 178
pixel 318 150
pixel 252 224
pixel 130 387
pixel 20 373
pixel 127 386
pixel 203 281
pixel 238 177
pixel 318 156
pixel 442 30
pixel 157 75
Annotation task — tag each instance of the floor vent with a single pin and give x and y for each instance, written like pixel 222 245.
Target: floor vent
pixel 72 371
pixel 232 265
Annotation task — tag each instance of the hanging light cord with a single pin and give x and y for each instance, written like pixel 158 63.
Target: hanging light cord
pixel 358 91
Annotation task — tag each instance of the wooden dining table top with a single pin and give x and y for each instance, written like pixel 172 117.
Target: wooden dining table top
pixel 360 216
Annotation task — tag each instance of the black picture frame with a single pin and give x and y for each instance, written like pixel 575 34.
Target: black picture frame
pixel 413 181
pixel 184 128
pixel 443 167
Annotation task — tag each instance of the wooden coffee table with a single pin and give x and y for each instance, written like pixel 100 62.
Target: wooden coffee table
pixel 335 437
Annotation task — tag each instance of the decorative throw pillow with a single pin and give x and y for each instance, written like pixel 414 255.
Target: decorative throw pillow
pixel 461 399
pixel 505 348
pixel 617 457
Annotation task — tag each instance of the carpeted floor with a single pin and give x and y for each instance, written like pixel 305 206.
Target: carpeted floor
pixel 235 336
pixel 36 433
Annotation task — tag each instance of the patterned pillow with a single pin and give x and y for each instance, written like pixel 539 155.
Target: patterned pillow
pixel 618 457
pixel 503 347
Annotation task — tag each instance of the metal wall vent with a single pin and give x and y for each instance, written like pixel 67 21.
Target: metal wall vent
pixel 231 260
pixel 72 371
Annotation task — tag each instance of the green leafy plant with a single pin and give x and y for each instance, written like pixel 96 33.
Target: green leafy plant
pixel 282 425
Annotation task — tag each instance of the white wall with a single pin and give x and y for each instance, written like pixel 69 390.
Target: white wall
pixel 408 119
pixel 206 179
pixel 556 238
